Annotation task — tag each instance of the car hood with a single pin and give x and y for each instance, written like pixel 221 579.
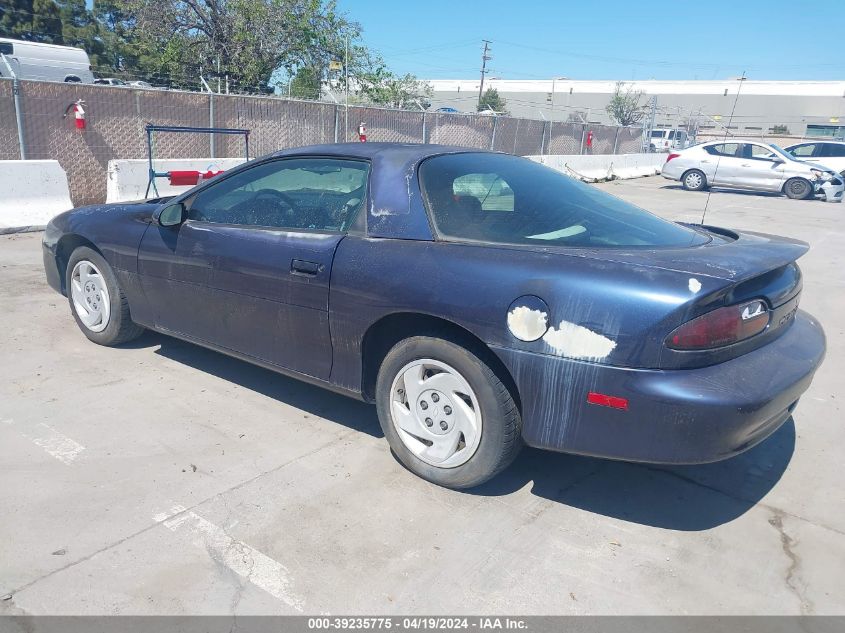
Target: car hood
pixel 139 208
pixel 807 165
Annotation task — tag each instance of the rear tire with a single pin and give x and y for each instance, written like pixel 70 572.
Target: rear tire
pixel 694 180
pixel 96 300
pixel 798 189
pixel 445 413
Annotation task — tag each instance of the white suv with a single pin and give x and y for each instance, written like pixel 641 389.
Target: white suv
pixel 828 153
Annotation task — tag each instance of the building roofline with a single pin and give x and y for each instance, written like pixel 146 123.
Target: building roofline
pixel 649 87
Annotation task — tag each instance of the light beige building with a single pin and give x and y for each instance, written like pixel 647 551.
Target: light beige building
pixel 811 108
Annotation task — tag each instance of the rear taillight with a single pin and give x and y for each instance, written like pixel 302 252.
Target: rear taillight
pixel 721 327
pixel 671 156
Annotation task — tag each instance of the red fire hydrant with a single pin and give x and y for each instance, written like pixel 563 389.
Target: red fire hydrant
pixel 362 132
pixel 590 140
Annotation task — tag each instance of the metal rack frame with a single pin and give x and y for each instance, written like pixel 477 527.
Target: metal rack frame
pixel 150 129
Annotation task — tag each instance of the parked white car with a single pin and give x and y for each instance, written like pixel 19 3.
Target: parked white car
pixel 667 140
pixel 829 153
pixel 44 62
pixel 752 165
pixel 110 81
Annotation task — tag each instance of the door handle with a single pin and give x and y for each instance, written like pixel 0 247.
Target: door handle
pixel 302 267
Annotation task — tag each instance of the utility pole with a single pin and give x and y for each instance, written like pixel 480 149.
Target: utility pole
pixel 648 124
pixel 484 59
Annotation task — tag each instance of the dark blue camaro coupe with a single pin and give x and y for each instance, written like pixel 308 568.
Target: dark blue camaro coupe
pixel 481 300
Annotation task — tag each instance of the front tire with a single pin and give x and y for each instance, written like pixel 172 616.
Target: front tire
pixel 96 300
pixel 694 180
pixel 798 189
pixel 445 413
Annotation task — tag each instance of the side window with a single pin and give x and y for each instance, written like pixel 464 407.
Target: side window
pixel 321 194
pixel 832 150
pixel 723 149
pixel 757 152
pixel 804 151
pixel 6 48
pixel 489 190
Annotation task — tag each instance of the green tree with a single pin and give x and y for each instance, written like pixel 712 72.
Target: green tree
pixel 491 100
pixel 81 29
pixel 306 83
pixel 405 92
pixel 120 55
pixel 31 20
pixel 247 40
pixel 624 106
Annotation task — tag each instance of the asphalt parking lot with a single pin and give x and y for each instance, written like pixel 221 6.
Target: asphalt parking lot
pixel 161 478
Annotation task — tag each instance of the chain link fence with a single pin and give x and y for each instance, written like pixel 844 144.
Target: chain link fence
pixel 115 120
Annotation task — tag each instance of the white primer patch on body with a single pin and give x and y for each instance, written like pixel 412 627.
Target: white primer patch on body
pixel 246 561
pixel 527 324
pixel 53 442
pixel 694 285
pixel 576 341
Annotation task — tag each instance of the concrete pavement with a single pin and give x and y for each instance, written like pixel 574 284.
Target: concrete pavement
pixel 162 478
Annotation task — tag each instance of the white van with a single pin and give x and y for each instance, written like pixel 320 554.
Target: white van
pixel 666 140
pixel 45 62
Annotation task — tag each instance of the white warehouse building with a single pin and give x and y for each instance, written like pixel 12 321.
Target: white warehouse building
pixel 801 108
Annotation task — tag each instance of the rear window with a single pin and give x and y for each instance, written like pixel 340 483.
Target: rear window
pixel 503 199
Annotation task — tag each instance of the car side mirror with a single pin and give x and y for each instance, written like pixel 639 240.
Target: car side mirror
pixel 777 159
pixel 172 215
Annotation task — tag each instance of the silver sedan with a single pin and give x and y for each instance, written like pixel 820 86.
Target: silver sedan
pixel 752 165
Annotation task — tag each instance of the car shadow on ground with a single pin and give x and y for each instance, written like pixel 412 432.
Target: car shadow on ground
pixel 688 498
pixel 316 401
pixel 739 192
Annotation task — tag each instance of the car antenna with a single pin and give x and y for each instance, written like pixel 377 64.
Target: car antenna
pixel 727 131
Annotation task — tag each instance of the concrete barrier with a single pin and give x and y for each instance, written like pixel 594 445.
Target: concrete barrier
pixel 596 167
pixel 127 179
pixel 32 192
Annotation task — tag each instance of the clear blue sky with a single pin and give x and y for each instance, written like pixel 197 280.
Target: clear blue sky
pixel 611 39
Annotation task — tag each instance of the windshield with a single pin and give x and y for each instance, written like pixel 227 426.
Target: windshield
pixel 508 200
pixel 782 152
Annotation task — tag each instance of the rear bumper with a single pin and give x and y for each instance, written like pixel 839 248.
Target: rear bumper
pixel 669 171
pixel 674 416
